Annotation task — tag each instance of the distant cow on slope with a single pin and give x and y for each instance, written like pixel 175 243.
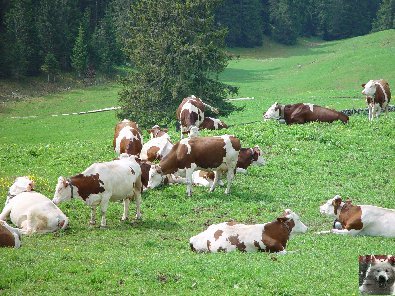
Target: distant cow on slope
pixel 191 113
pixel 302 113
pixel 378 96
pixel 127 138
pixel 231 236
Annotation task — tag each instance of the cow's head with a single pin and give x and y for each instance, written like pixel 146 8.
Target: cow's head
pixel 156 131
pixel 21 184
pixel 290 216
pixel 154 176
pixel 257 156
pixel 332 206
pixel 193 132
pixel 62 191
pixel 273 112
pixel 369 89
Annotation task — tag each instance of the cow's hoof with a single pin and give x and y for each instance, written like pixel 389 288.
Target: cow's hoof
pixel 125 219
pixel 103 227
pixel 92 223
pixel 138 217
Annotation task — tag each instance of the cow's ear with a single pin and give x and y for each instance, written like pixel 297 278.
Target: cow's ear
pixel 282 219
pixel 150 130
pixel 348 201
pixel 165 130
pixel 363 85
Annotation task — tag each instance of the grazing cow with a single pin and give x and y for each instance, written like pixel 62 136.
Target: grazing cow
pixel 360 219
pixel 157 147
pixel 302 113
pixel 247 157
pixel 191 113
pixel 103 182
pixel 230 236
pixel 218 154
pixel 211 123
pixel 145 168
pixel 127 138
pixel 9 236
pixel 21 184
pixel 378 96
pixel 33 212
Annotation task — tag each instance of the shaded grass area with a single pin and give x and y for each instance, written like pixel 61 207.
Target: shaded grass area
pixel 306 165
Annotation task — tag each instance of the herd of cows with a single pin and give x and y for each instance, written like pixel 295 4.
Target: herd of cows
pixel 194 160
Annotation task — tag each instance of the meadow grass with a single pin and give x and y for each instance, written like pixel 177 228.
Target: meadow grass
pixel 306 165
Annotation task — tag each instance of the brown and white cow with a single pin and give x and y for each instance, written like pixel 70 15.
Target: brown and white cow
pixel 360 219
pixel 268 237
pixel 302 113
pixel 158 146
pixel 21 184
pixel 127 138
pixel 218 154
pixel 9 236
pixel 378 96
pixel 211 123
pixel 103 182
pixel 247 157
pixel 191 113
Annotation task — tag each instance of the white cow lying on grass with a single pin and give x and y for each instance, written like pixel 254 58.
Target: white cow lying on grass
pixel 33 212
pixel 21 184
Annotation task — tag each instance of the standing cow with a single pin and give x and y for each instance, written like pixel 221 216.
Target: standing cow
pixel 103 182
pixel 218 154
pixel 127 138
pixel 191 113
pixel 378 96
pixel 302 113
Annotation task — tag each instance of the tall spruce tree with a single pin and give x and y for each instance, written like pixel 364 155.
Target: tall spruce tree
pixel 79 58
pixel 284 27
pixel 176 50
pixel 385 16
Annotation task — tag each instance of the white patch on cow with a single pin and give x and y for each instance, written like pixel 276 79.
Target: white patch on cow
pixel 125 133
pixel 163 143
pixel 272 113
pixel 21 184
pixel 216 122
pixel 370 89
pixel 192 108
pixel 311 106
pixel 193 132
pixel 154 177
pixel 186 143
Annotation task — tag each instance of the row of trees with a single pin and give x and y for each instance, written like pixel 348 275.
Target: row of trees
pixel 285 20
pixel 59 35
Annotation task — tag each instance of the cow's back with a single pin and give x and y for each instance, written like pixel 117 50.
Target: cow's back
pixel 190 112
pixel 127 138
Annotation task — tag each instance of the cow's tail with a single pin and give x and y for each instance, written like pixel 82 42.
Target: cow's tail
pixel 215 110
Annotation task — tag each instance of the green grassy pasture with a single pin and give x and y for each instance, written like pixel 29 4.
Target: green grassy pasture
pixel 306 165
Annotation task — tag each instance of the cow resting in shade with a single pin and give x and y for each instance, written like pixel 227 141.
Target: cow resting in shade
pixel 302 113
pixel 267 237
pixel 117 180
pixel 127 138
pixel 191 113
pixel 360 219
pixel 218 154
pixel 33 212
pixel 378 96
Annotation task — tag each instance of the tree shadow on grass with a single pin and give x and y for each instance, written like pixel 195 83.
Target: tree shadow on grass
pixel 154 224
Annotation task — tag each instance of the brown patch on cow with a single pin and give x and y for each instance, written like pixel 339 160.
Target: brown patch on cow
pixel 220 249
pixel 152 153
pixel 336 204
pixel 231 223
pixel 7 239
pixel 275 234
pixel 234 240
pixel 145 167
pixel 186 117
pixel 351 216
pixel 235 143
pixel 131 146
pixel 217 234
pixel 87 185
pixel 206 175
pixel 208 245
pixel 245 158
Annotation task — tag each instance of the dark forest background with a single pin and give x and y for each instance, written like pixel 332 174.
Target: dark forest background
pixel 52 36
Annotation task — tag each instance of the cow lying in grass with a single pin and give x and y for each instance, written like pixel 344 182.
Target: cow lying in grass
pixel 158 146
pixel 231 236
pixel 360 219
pixel 103 182
pixel 9 236
pixel 33 212
pixel 302 113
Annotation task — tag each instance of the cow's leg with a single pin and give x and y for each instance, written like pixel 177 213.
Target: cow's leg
pixel 103 208
pixel 216 178
pixel 125 215
pixel 93 216
pixel 230 176
pixel 370 112
pixel 137 196
pixel 188 174
pixel 6 212
pixel 377 109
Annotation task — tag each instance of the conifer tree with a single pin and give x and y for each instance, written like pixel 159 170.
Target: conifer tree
pixel 385 16
pixel 79 58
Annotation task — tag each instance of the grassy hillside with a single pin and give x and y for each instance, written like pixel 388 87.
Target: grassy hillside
pixel 306 165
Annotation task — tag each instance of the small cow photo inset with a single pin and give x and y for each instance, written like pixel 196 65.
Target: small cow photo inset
pixel 377 274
